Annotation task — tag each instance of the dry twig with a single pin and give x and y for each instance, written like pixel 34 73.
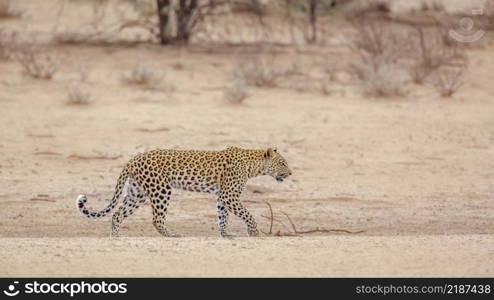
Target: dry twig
pixel 295 231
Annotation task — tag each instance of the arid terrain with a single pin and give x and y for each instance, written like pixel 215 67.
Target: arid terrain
pixel 413 174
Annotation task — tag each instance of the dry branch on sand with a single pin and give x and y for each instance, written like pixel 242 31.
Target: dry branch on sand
pixel 294 230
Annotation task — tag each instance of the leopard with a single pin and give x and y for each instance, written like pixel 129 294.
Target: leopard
pixel 224 173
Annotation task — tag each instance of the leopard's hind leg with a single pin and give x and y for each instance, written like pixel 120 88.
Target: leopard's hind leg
pixel 160 199
pixel 135 196
pixel 222 218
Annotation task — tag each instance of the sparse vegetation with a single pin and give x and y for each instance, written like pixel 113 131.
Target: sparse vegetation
pixel 434 53
pixel 390 55
pixel 180 21
pixel 379 48
pixel 77 95
pixel 148 78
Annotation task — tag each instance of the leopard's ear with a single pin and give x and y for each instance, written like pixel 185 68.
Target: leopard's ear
pixel 269 153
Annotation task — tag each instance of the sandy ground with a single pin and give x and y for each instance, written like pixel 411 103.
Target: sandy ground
pixel 415 174
pixel 453 256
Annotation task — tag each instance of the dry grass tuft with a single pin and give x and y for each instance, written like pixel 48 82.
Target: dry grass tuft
pixel 77 95
pixel 260 71
pixel 36 63
pixel 236 93
pixel 148 78
pixel 448 81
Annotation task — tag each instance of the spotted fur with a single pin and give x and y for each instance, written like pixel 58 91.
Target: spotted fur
pixel 224 173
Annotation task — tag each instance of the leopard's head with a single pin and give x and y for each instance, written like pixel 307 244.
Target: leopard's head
pixel 275 165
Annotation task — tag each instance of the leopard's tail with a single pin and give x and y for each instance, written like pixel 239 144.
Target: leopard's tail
pixel 82 199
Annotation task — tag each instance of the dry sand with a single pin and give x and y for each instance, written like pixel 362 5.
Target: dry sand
pixel 403 256
pixel 416 174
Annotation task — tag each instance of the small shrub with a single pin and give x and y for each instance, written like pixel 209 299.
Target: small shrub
pixel 255 7
pixel 374 38
pixel 260 72
pixel 380 48
pixel 236 93
pixel 360 9
pixel 433 6
pixel 36 63
pixel 148 78
pixel 381 79
pixel 488 16
pixel 78 96
pixel 434 52
pixel 10 43
pixel 448 81
pixel 5 44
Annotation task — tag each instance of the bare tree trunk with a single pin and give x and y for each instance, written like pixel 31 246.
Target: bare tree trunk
pixel 163 20
pixel 184 15
pixel 313 21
